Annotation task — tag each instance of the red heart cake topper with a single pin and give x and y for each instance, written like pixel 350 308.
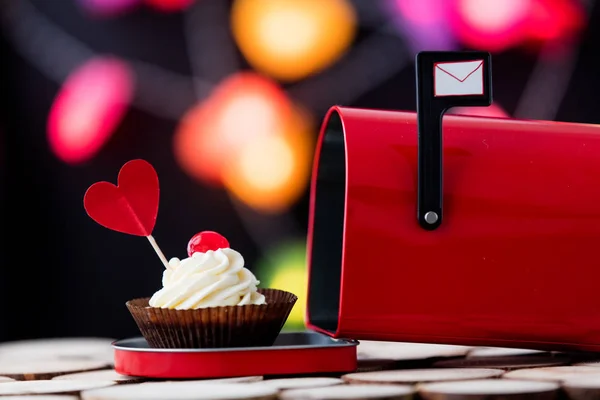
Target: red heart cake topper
pixel 131 206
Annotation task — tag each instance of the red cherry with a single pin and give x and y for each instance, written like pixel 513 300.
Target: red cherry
pixel 204 241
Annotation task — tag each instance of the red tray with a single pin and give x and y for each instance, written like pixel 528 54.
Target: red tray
pixel 292 354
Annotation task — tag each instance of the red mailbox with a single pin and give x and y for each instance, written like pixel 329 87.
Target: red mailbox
pixel 513 264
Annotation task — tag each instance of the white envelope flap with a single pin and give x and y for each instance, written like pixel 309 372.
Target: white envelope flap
pixel 460 70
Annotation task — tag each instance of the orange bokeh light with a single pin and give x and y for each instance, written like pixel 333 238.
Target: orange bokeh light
pixel 272 172
pixel 243 108
pixel 88 109
pixel 291 39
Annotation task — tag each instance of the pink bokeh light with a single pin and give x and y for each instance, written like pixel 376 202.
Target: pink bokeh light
pixel 424 24
pixel 88 108
pixel 490 25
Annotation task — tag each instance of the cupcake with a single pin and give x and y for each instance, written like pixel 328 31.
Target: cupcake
pixel 209 300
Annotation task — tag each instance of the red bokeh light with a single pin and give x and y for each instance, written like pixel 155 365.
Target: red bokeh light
pixel 553 19
pixel 169 5
pixel 497 25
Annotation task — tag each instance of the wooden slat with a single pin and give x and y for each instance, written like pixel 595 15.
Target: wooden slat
pixel 582 388
pixel 502 352
pixel 375 364
pixel 46 369
pixel 412 376
pixel 354 392
pixel 489 389
pixel 506 363
pixel 400 351
pixel 553 374
pixel 100 375
pixel 237 379
pixel 42 397
pixel 49 387
pixel 301 383
pixel 183 391
pixel 589 364
pixel 59 348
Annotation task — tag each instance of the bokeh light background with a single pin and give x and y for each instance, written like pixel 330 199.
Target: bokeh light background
pixel 235 92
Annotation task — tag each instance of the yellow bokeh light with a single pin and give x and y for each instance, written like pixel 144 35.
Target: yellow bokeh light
pixel 271 172
pixel 284 267
pixel 293 278
pixel 267 163
pixel 291 39
pixel 305 30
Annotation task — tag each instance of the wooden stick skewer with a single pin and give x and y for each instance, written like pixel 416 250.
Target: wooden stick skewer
pixel 158 251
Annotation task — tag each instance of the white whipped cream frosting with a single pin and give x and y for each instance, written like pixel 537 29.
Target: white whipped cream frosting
pixel 211 279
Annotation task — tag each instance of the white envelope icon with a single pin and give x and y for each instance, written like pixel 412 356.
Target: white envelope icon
pixel 458 78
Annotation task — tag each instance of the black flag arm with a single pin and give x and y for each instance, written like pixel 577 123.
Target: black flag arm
pixel 445 79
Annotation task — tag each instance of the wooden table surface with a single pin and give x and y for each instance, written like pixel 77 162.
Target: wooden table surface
pixel 81 368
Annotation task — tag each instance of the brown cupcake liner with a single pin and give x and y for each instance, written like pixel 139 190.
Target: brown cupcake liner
pixel 214 327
